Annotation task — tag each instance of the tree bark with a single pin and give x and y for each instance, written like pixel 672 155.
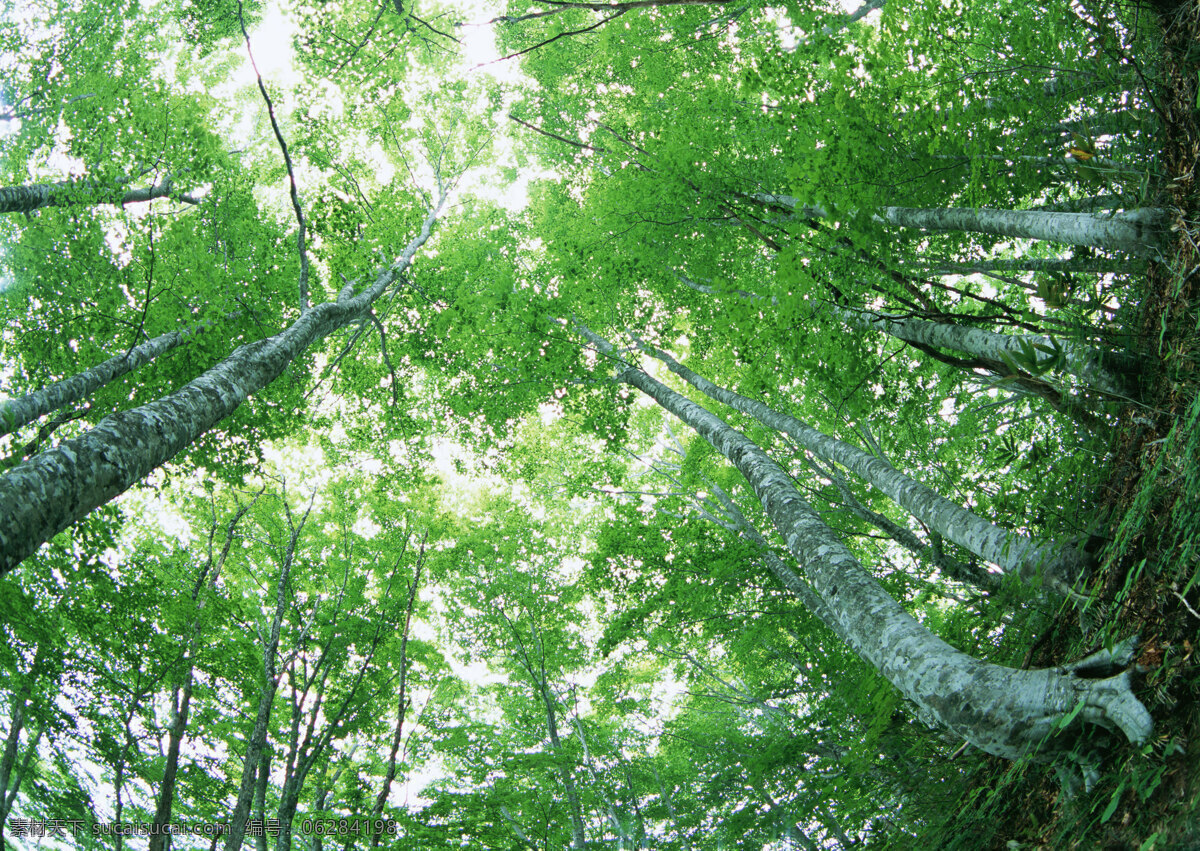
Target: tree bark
pixel 15 413
pixel 42 496
pixel 1003 711
pixel 968 574
pixel 1033 562
pixel 32 196
pixel 1097 369
pixel 1088 265
pixel 1138 232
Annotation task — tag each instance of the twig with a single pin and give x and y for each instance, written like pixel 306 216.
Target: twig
pixel 300 241
pixel 387 360
pixel 552 39
pixel 1188 605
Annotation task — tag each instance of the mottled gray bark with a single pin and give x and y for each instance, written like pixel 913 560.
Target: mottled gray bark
pixel 1003 711
pixel 968 574
pixel 15 413
pixel 1091 366
pixel 42 496
pixel 1091 203
pixel 1138 232
pixel 1033 562
pixel 30 197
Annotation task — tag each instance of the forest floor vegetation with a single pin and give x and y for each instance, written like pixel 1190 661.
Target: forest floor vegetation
pixel 1148 798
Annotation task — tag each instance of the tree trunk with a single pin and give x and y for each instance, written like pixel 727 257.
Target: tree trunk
pixel 182 699
pixel 253 761
pixel 42 496
pixel 401 704
pixel 15 413
pixel 968 574
pixel 1097 369
pixel 26 199
pixel 578 839
pixel 1138 232
pixel 1083 265
pixel 1032 561
pixel 1003 711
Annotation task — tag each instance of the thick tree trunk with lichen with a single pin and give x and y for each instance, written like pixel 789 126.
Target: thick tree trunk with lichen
pixel 1003 711
pixel 1033 562
pixel 42 496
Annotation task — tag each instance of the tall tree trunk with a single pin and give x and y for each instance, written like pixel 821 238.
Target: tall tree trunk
pixel 401 704
pixel 578 838
pixel 1057 565
pixel 21 702
pixel 1003 711
pixel 42 496
pixel 30 197
pixel 1089 265
pixel 252 762
pixel 969 574
pixel 15 413
pixel 1137 232
pixel 1097 369
pixel 182 698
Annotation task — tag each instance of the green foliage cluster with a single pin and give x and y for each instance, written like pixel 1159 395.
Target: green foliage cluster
pixel 444 570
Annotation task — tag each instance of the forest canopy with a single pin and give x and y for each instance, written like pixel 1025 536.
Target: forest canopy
pixel 565 425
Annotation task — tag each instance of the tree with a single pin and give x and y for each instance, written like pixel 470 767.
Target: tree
pixel 1002 711
pixel 62 485
pixel 227 424
pixel 25 199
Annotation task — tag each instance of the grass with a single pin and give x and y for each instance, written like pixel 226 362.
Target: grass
pixel 1147 798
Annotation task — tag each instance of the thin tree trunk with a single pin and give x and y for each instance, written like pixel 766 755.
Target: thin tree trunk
pixel 540 679
pixel 1032 561
pixel 968 574
pixel 318 843
pixel 1093 367
pixel 26 199
pixel 260 796
pixel 15 413
pixel 1138 232
pixel 182 699
pixel 401 704
pixel 1090 265
pixel 1003 711
pixel 42 496
pixel 578 838
pixel 252 761
pixel 840 22
pixel 11 774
